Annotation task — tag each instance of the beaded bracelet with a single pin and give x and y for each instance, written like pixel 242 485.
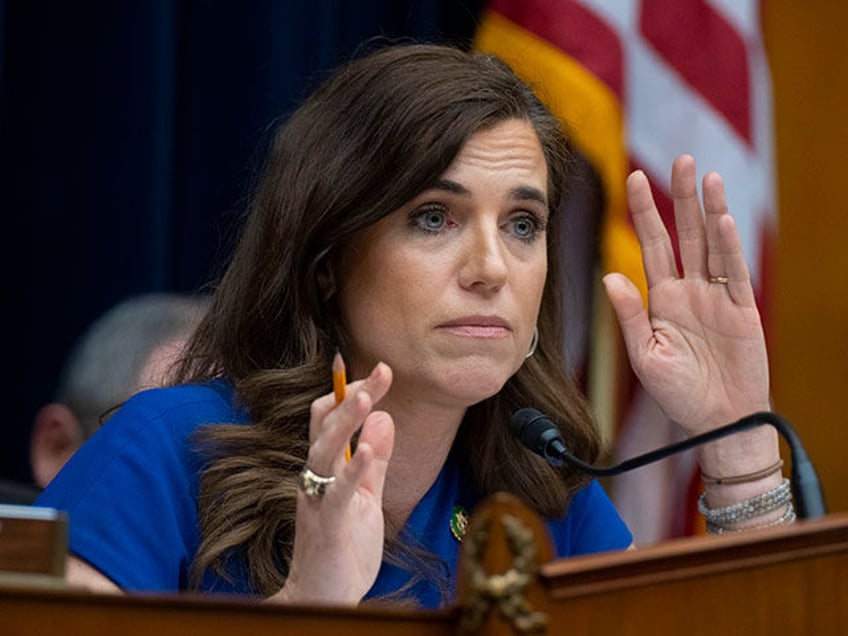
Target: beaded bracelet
pixel 749 508
pixel 788 517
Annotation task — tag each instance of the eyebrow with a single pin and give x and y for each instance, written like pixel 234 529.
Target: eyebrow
pixel 520 193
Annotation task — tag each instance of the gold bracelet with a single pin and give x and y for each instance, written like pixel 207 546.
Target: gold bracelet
pixel 741 479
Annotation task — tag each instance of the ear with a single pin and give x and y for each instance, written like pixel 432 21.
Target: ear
pixel 56 435
pixel 326 279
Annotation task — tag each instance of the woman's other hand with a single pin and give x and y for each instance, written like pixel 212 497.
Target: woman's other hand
pixel 338 544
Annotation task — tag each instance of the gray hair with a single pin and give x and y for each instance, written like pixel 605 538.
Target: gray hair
pixel 106 364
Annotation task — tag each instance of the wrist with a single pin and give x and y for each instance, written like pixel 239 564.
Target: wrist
pixel 717 495
pixel 741 454
pixel 332 591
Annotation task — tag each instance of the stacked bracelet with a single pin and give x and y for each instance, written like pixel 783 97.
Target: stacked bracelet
pixel 749 508
pixel 786 518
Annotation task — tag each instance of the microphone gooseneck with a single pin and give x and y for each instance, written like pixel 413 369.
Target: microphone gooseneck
pixel 538 433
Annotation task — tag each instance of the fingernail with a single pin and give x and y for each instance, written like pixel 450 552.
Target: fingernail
pixel 376 371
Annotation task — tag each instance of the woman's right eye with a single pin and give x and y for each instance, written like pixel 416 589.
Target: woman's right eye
pixel 431 219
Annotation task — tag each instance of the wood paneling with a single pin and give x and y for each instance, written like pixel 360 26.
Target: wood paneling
pixel 807 44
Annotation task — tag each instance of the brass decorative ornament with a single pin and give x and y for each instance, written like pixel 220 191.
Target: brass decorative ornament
pixel 503 592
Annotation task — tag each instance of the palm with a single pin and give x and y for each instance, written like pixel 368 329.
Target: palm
pixel 351 537
pixel 699 349
pixel 339 538
pixel 706 352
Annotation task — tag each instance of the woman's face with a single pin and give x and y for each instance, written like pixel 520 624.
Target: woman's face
pixel 446 290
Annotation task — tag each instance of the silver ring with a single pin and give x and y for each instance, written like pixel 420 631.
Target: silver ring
pixel 721 280
pixel 314 485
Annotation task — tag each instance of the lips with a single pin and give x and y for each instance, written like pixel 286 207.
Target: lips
pixel 478 326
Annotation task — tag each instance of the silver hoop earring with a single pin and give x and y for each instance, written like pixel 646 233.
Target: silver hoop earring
pixel 533 343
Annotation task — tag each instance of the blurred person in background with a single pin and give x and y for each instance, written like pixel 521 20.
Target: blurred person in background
pixel 129 348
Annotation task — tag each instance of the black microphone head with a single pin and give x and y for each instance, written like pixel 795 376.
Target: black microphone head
pixel 537 432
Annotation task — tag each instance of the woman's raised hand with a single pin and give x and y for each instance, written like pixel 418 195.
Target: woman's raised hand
pixel 699 346
pixel 338 544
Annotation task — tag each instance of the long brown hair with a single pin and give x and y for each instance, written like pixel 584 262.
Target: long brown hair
pixel 375 134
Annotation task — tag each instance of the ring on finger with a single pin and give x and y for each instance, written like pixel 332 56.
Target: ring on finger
pixel 314 485
pixel 721 280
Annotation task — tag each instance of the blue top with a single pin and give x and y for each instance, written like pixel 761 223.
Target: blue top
pixel 131 496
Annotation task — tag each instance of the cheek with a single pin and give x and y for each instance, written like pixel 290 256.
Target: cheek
pixel 532 291
pixel 378 286
pixel 379 300
pixel 395 281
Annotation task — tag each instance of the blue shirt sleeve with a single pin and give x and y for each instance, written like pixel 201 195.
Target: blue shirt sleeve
pixel 591 525
pixel 130 491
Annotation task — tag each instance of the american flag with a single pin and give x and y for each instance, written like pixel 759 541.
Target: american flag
pixel 636 83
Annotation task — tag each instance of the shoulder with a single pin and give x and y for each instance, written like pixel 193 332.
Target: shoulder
pixel 169 413
pixel 131 489
pixel 192 404
pixel 149 436
pixel 161 422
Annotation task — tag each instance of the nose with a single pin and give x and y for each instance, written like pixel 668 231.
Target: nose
pixel 484 262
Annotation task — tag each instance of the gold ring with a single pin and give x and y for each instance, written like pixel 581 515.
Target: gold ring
pixel 721 280
pixel 314 485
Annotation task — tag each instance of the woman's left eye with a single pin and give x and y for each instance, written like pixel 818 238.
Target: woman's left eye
pixel 526 227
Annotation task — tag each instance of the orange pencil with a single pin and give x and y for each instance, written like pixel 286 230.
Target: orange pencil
pixel 339 384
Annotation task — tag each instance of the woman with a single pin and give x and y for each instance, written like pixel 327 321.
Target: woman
pixel 406 217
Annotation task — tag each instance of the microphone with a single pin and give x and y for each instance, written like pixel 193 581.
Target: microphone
pixel 539 434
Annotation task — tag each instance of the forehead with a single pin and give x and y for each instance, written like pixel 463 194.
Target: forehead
pixel 509 148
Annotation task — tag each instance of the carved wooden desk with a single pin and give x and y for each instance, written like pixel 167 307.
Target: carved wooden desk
pixel 781 581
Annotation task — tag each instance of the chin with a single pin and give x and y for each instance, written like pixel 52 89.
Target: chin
pixel 476 384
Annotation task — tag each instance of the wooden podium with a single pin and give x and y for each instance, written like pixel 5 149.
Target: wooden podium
pixel 791 580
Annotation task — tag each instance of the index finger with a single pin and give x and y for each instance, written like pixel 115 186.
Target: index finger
pixel 323 405
pixel 376 385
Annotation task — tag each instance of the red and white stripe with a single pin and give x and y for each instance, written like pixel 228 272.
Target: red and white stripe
pixel 697 81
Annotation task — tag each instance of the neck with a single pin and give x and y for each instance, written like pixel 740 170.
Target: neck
pixel 424 434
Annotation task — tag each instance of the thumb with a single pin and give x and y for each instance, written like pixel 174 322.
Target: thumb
pixel 632 316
